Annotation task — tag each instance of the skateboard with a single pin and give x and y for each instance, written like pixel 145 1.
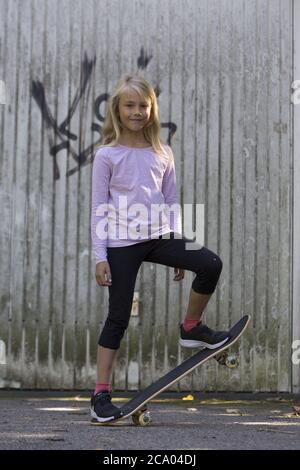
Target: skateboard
pixel 137 406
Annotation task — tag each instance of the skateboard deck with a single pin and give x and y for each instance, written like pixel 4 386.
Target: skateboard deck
pixel 136 406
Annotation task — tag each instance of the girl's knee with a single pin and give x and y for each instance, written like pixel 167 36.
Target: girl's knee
pixel 208 274
pixel 216 264
pixel 212 265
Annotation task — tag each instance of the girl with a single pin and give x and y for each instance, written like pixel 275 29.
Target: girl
pixel 134 168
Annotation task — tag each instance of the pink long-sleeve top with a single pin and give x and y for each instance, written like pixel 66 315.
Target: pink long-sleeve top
pixel 128 186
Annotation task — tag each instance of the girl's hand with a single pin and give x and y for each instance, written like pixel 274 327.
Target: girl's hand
pixel 103 274
pixel 179 274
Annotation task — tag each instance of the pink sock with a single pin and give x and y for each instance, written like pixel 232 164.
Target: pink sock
pixel 102 388
pixel 188 323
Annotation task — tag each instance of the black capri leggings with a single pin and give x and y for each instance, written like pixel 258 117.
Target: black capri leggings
pixel 124 265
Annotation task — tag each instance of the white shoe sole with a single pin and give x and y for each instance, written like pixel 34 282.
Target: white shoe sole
pixel 189 343
pixel 101 420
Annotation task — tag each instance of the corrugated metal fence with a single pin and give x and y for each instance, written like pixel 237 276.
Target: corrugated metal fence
pixel 222 71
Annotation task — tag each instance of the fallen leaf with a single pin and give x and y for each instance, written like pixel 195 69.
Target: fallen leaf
pixel 188 398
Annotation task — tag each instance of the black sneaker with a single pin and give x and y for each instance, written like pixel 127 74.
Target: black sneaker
pixel 102 409
pixel 202 336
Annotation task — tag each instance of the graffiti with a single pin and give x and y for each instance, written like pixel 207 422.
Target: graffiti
pixel 143 59
pixel 59 135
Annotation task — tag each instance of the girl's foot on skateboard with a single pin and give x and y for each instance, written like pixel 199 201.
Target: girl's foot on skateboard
pixel 202 336
pixel 102 409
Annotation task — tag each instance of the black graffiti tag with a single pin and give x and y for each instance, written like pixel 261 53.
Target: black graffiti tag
pixel 60 132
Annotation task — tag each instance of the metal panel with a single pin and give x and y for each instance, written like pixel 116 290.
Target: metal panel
pixel 223 72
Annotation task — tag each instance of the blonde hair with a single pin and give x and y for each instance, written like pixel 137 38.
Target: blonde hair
pixel 111 130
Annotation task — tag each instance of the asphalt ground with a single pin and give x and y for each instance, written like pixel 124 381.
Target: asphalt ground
pixel 60 421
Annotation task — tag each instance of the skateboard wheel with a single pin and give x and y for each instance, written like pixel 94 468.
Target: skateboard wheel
pixel 145 419
pixel 229 360
pixel 232 361
pixel 142 417
pixel 221 358
pixel 135 419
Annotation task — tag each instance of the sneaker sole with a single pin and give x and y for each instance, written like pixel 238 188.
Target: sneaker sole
pixel 95 417
pixel 189 343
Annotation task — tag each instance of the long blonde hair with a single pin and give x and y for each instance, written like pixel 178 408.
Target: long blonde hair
pixel 111 130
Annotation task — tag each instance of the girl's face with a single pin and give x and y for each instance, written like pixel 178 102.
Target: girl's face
pixel 134 111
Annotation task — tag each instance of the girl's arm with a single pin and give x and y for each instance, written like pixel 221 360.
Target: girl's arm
pixel 169 190
pixel 100 194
